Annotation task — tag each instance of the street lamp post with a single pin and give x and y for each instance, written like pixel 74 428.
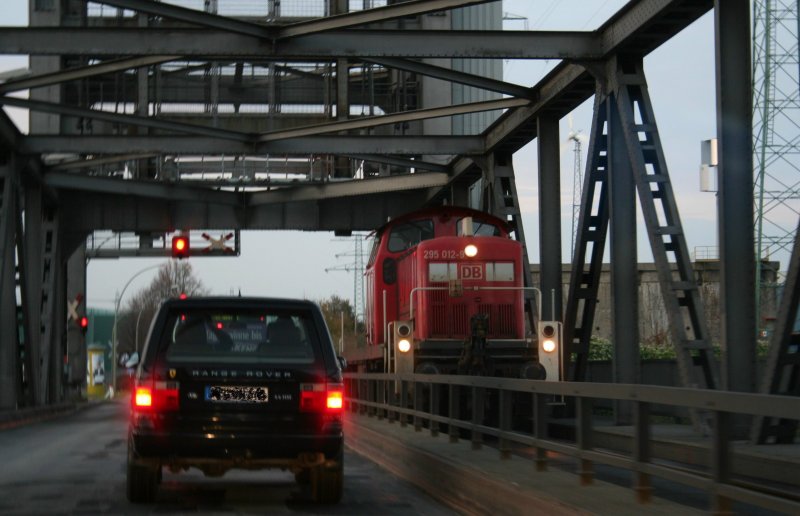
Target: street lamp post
pixel 136 338
pixel 114 328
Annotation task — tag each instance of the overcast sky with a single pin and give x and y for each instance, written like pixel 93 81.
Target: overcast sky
pixel 681 83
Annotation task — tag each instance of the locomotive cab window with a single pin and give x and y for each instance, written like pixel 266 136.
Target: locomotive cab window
pixel 376 243
pixel 480 228
pixel 409 234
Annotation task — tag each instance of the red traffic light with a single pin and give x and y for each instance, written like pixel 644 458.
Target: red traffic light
pixel 180 246
pixel 83 324
pixel 183 295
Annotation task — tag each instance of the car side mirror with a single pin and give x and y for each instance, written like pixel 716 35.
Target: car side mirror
pixel 342 362
pixel 133 361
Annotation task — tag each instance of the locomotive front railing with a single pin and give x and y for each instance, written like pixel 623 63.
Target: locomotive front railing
pixel 461 404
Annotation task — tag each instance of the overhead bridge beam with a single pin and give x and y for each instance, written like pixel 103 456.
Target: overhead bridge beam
pixel 393 118
pixel 149 189
pixel 353 188
pixel 295 193
pixel 367 16
pixel 302 146
pixel 91 203
pixel 334 44
pixel 447 74
pixel 116 118
pixel 82 72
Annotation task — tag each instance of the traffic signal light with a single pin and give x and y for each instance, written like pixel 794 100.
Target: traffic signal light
pixel 549 333
pixel 180 246
pixel 83 324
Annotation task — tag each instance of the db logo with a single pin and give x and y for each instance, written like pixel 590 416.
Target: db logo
pixel 471 271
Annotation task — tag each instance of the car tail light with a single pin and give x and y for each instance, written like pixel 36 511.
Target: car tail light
pixel 157 397
pixel 143 397
pixel 335 398
pixel 321 397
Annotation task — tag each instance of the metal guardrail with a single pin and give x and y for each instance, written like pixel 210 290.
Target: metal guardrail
pixel 404 396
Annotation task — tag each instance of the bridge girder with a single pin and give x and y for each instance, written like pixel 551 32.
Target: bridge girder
pixel 212 59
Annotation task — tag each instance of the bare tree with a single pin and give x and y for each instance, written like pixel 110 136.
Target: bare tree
pixel 336 311
pixel 653 323
pixel 173 279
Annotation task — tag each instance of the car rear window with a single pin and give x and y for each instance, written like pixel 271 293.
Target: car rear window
pixel 246 336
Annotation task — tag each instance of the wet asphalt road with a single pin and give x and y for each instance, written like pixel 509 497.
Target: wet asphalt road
pixel 75 464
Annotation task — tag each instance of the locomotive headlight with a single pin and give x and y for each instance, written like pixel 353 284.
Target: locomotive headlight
pixel 549 345
pixel 471 250
pixel 404 345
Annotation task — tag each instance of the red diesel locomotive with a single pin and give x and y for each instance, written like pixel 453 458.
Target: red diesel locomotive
pixel 445 295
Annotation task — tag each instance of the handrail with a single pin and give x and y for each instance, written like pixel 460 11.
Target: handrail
pixel 704 399
pixel 364 389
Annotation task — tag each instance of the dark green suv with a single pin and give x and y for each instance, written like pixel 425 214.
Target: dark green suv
pixel 237 383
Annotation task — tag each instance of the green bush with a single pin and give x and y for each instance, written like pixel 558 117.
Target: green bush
pixel 602 349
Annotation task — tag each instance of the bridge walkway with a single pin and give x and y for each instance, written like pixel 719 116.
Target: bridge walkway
pixel 481 481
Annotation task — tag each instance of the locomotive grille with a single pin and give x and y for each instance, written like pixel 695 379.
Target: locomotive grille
pixel 501 320
pixel 460 320
pixel 438 320
pixel 452 320
pixel 447 319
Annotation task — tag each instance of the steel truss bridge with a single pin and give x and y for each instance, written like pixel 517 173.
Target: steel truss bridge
pixel 148 117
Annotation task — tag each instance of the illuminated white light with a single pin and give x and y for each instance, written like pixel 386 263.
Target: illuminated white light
pixel 471 251
pixel 404 345
pixel 549 345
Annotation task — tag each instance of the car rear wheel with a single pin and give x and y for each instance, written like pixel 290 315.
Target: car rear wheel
pixel 142 482
pixel 327 482
pixel 303 477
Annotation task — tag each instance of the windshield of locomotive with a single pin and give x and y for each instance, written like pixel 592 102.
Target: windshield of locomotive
pixel 480 228
pixel 409 234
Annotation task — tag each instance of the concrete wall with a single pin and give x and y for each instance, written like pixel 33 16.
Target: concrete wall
pixel 653 324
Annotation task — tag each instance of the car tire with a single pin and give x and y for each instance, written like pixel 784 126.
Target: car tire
pixel 327 482
pixel 303 477
pixel 142 482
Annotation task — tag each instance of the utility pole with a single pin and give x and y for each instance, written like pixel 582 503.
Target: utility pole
pixel 356 266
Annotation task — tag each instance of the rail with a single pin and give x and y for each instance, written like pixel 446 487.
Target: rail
pixel 408 396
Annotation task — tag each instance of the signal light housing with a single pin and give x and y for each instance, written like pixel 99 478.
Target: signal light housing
pixel 180 246
pixel 549 333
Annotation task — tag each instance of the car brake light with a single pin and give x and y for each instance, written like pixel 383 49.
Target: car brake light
pixel 162 397
pixel 320 397
pixel 335 400
pixel 143 398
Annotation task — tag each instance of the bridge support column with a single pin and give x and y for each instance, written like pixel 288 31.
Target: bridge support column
pixel 499 197
pixel 624 260
pixel 736 226
pixel 41 290
pixel 549 218
pixel 9 336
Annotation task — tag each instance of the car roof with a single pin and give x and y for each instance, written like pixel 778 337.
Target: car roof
pixel 238 301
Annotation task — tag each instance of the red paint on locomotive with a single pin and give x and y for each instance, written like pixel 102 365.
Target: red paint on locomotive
pixel 426 250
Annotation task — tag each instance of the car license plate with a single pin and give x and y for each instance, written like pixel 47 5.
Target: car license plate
pixel 237 394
